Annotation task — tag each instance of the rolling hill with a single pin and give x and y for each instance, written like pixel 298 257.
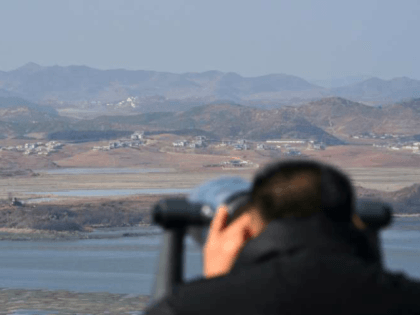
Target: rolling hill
pixel 229 120
pixel 385 91
pixel 327 120
pixel 342 117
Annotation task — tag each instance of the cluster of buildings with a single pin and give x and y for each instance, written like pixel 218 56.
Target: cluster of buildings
pixel 316 146
pixel 39 148
pixel 129 102
pixel 198 142
pixel 118 144
pixel 136 141
pixel 263 146
pixel 413 146
pixel 371 135
pixel 243 144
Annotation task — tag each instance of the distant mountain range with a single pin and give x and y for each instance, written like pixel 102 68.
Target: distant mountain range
pixel 377 90
pixel 93 88
pixel 339 82
pixel 329 120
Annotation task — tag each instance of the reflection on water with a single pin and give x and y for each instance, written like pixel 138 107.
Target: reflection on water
pixel 88 171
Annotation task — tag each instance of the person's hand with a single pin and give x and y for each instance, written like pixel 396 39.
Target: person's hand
pixel 224 243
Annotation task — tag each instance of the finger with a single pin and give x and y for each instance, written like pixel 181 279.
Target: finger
pixel 237 225
pixel 238 232
pixel 219 221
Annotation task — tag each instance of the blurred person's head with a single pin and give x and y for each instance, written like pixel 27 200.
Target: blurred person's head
pixel 298 189
pixel 291 189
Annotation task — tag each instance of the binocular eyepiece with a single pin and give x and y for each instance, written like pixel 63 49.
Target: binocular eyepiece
pixel 198 209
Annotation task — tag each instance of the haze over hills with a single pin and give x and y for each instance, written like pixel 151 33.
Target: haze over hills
pixel 342 81
pixel 377 90
pixel 144 91
pixel 78 83
pixel 329 120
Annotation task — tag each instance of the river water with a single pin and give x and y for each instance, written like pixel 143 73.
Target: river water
pixel 127 265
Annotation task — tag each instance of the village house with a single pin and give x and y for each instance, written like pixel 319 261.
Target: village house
pixel 291 141
pixel 138 135
pixel 197 144
pixel 240 147
pixel 241 141
pixel 316 146
pixel 181 143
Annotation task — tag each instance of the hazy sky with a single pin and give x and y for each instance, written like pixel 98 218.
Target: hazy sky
pixel 311 39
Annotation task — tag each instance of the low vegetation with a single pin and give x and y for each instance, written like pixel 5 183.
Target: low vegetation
pixel 79 216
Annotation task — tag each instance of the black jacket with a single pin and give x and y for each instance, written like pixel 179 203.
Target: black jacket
pixel 300 266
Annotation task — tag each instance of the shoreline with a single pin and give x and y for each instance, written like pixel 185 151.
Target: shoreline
pixel 61 302
pixel 104 232
pixel 14 234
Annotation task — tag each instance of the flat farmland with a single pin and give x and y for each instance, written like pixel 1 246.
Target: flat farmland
pixel 386 179
pixel 367 166
pixel 49 183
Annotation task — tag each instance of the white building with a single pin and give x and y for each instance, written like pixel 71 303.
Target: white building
pixel 138 135
pixel 182 143
pixel 287 141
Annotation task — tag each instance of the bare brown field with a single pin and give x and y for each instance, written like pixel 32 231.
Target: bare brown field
pixel 366 157
pixel 48 183
pixel 368 166
pixel 126 157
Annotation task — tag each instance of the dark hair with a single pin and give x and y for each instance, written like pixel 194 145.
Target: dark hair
pixel 300 189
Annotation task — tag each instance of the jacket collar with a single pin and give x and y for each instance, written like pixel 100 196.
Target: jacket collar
pixel 316 232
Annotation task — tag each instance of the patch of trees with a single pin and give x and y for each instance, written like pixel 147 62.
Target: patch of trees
pixel 184 132
pixel 88 135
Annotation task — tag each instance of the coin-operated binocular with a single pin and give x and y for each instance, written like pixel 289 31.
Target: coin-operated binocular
pixel 192 215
